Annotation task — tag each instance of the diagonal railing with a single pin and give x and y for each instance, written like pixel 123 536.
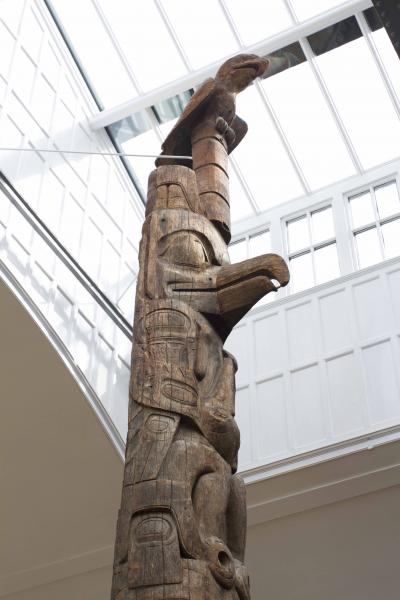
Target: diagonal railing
pixel 90 333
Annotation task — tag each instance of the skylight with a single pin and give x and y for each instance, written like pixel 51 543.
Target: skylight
pixel 327 109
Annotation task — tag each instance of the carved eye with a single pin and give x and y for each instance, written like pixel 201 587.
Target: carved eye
pixel 186 249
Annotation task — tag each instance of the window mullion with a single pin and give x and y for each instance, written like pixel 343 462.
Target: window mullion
pixel 377 221
pixel 310 233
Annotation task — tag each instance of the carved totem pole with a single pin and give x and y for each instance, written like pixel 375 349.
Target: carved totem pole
pixel 182 524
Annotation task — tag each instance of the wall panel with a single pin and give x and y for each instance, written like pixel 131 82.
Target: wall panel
pixel 323 367
pixel 307 407
pixel 272 433
pixel 382 389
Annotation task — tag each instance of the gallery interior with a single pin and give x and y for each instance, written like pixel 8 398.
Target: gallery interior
pixel 89 91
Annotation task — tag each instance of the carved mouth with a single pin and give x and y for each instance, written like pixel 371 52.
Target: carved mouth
pixel 254 67
pixel 189 288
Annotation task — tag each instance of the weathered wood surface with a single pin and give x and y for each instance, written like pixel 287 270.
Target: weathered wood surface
pixel 182 524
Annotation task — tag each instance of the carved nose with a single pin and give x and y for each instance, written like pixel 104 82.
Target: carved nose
pixel 241 285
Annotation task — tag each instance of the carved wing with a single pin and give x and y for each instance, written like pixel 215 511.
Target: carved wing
pixel 178 140
pixel 240 128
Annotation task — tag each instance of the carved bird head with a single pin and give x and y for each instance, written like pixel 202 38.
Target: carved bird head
pixel 239 72
pixel 191 264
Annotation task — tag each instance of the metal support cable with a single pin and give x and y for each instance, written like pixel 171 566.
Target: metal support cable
pixel 84 152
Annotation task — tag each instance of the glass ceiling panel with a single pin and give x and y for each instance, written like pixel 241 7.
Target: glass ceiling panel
pixel 309 126
pixel 268 175
pixel 387 200
pixel 363 102
pixel 334 36
pixel 261 157
pixel 96 51
pixel 146 143
pixel 165 128
pixel 240 204
pixel 145 41
pixel 389 57
pixel 202 30
pixel 257 19
pixel 305 9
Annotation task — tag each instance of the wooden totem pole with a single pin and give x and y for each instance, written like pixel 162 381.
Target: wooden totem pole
pixel 182 524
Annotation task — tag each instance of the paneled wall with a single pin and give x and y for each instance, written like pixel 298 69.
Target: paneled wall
pixel 320 367
pixel 85 200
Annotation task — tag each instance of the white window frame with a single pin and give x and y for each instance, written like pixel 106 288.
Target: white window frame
pixel 312 247
pixel 245 237
pixel 378 221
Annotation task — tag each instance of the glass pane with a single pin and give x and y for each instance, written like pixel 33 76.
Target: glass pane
pixel 387 200
pixel 284 58
pixel 326 263
pixel 261 156
pixel 240 205
pixel 147 143
pixel 238 251
pixel 131 126
pixel 334 36
pixel 373 18
pixel 96 51
pixel 389 57
pixel 301 273
pixel 197 25
pixel 391 238
pixel 168 110
pixel 298 234
pixel 362 212
pixel 165 128
pixel 305 9
pixel 272 17
pixel 368 248
pixel 141 33
pixel 127 302
pixel 363 103
pixel 322 225
pixel 309 126
pixel 259 243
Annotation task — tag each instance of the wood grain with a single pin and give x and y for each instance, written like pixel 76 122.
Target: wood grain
pixel 182 524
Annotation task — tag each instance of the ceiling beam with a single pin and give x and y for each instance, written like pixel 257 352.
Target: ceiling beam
pixel 282 39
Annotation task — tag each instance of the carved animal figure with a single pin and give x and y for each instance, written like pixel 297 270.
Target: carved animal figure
pixel 209 129
pixel 182 524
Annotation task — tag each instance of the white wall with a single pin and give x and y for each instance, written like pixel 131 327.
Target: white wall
pixel 319 368
pixel 346 550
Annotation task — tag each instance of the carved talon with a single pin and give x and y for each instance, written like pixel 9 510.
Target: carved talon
pixel 230 136
pixel 221 125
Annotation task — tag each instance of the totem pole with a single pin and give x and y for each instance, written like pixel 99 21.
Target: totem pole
pixel 182 524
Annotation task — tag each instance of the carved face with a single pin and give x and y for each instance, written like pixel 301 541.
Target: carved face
pixel 187 259
pixel 238 72
pixel 186 251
